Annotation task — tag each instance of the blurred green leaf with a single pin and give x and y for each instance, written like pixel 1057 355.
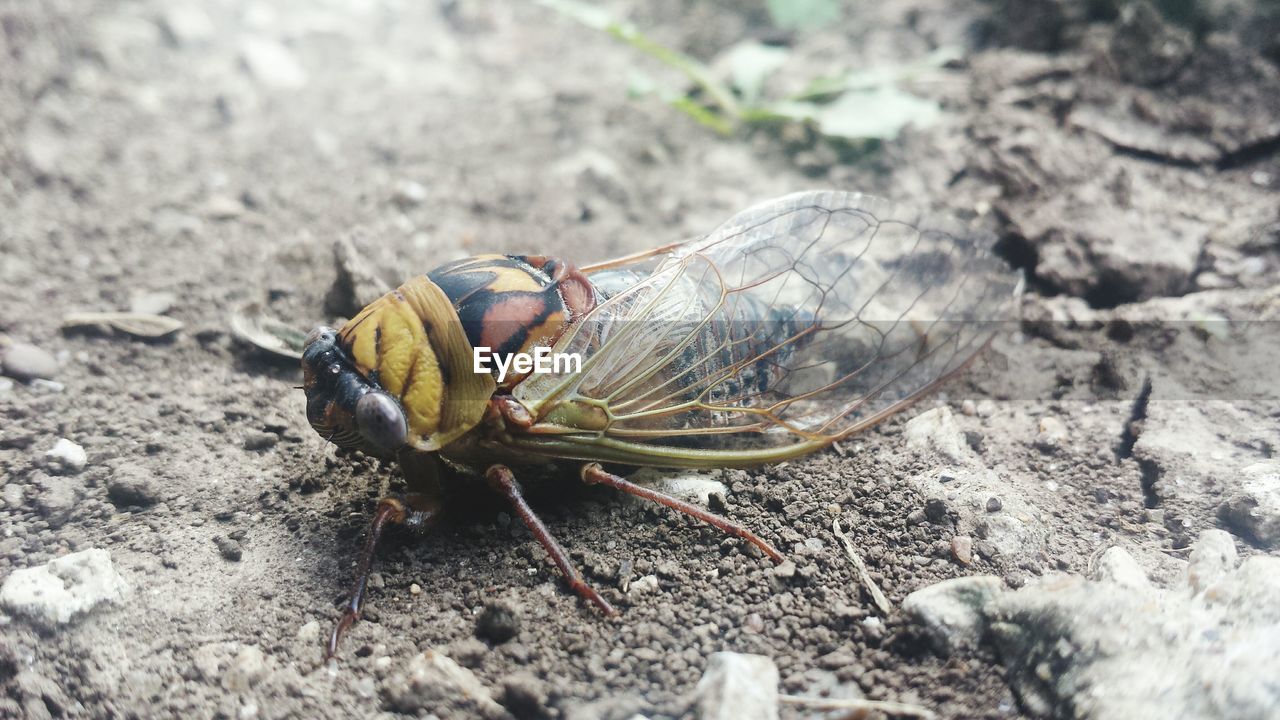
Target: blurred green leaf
pixel 749 64
pixel 880 113
pixel 600 19
pixel 803 14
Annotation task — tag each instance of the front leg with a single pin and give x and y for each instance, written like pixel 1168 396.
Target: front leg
pixel 414 510
pixel 500 478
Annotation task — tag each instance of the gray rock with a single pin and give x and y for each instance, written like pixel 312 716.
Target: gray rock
pixel 431 680
pixel 132 486
pixel 1052 434
pixel 246 670
pixel 1145 49
pixel 39 694
pixel 935 431
pixel 1253 509
pixel 260 440
pixel 1117 566
pixel 737 686
pixel 952 611
pixel 58 498
pixel 229 548
pixel 23 361
pixel 356 284
pixel 1212 559
pixel 66 457
pixel 52 594
pixel 1107 650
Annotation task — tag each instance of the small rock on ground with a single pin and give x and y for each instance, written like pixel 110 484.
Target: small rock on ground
pixel 432 681
pixel 1254 509
pixel 23 361
pixel 66 457
pixel 1207 649
pixel 936 431
pixel 498 623
pixel 54 593
pixel 132 486
pixel 951 613
pixel 737 686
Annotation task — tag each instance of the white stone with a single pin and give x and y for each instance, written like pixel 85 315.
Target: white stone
pixel 272 64
pixel 688 485
pixel 1118 566
pixel 1254 508
pixel 936 431
pixel 644 585
pixel 1212 558
pixel 67 457
pixel 432 678
pixel 54 593
pixel 736 686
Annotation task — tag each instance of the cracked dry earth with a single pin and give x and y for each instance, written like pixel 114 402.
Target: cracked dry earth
pixel 189 158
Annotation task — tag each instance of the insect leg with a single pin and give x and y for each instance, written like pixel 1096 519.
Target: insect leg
pixel 501 479
pixel 414 511
pixel 593 474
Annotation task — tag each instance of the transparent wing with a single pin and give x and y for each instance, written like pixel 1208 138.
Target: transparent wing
pixel 796 323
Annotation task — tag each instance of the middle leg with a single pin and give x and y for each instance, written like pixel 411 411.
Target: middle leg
pixel 501 479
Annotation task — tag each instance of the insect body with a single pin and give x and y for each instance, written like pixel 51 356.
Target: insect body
pixel 796 323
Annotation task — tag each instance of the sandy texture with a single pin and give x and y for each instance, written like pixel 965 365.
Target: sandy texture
pixel 188 158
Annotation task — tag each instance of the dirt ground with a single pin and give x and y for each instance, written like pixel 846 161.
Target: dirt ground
pixel 1128 164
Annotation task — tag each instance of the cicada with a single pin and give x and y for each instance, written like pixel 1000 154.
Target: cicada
pixel 796 323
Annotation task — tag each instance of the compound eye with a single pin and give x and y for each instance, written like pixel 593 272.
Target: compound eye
pixel 381 421
pixel 322 333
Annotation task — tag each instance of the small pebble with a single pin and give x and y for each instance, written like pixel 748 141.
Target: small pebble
pixel 132 486
pixel 962 549
pixel 498 623
pixel 47 387
pixel 229 548
pixel 644 585
pixel 1052 434
pixel 23 361
pixel 969 407
pixel 409 194
pixel 994 505
pixel 152 302
pixel 260 440
pixel 66 457
pixel 415 589
pixel 223 207
pixel 310 632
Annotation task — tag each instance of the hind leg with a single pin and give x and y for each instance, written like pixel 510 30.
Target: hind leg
pixel 593 474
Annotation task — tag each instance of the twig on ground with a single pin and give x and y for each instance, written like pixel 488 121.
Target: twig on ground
pixel 864 577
